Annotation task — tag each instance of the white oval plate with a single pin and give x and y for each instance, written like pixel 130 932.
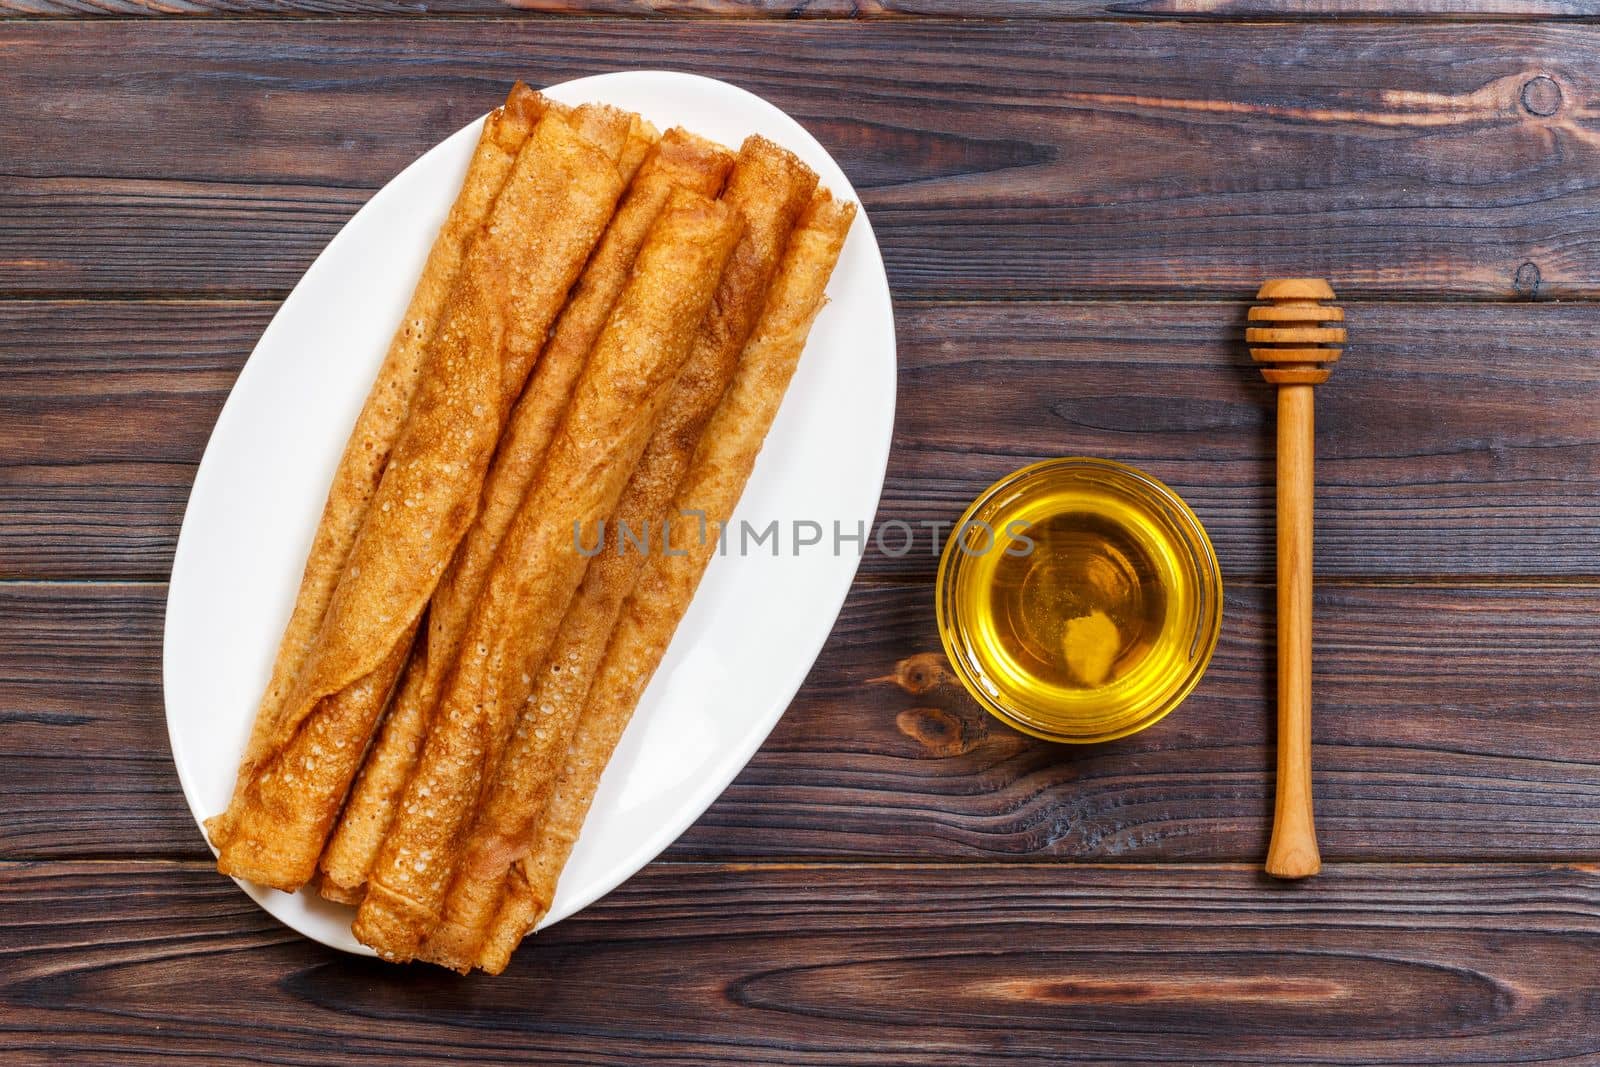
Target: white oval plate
pixel 757 622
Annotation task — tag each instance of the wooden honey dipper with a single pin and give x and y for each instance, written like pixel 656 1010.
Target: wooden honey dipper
pixel 1291 337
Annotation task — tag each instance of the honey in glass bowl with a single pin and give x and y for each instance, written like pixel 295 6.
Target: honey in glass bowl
pixel 1079 600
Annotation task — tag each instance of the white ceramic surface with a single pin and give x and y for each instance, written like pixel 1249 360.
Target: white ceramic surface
pixel 757 622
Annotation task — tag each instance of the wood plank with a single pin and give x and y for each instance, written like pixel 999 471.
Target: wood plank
pixel 1453 440
pixel 999 159
pixel 947 966
pixel 1450 723
pixel 1065 9
pixel 816 9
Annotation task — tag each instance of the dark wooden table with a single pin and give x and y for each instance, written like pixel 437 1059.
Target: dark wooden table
pixel 1076 201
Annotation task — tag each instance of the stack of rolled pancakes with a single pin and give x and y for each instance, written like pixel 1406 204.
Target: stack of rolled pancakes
pixel 601 337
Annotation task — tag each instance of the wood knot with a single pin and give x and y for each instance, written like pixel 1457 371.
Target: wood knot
pixel 1164 989
pixel 940 732
pixel 1541 96
pixel 1527 280
pixel 920 673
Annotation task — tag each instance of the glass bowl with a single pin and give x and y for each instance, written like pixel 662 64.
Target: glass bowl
pixel 1079 600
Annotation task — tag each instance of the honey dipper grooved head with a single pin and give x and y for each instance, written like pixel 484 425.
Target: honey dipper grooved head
pixel 1295 336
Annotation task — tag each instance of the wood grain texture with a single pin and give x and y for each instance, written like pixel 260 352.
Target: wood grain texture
pixel 94 395
pixel 1292 850
pixel 997 159
pixel 1456 440
pixel 1435 454
pixel 1068 9
pixel 816 9
pixel 1450 723
pixel 841 904
pixel 141 963
pixel 276 9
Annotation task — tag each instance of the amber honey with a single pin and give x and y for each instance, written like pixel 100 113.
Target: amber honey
pixel 1079 600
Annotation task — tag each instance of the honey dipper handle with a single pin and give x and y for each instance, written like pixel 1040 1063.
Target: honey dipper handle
pixel 1293 851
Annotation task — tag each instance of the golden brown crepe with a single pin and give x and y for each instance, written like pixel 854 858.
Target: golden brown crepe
pixel 614 408
pixel 715 479
pixel 769 188
pixel 679 160
pixel 378 426
pixel 514 278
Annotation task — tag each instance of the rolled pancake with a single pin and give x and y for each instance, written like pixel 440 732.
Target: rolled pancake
pixel 378 426
pixel 679 160
pixel 713 484
pixel 769 188
pixel 614 408
pixel 513 279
